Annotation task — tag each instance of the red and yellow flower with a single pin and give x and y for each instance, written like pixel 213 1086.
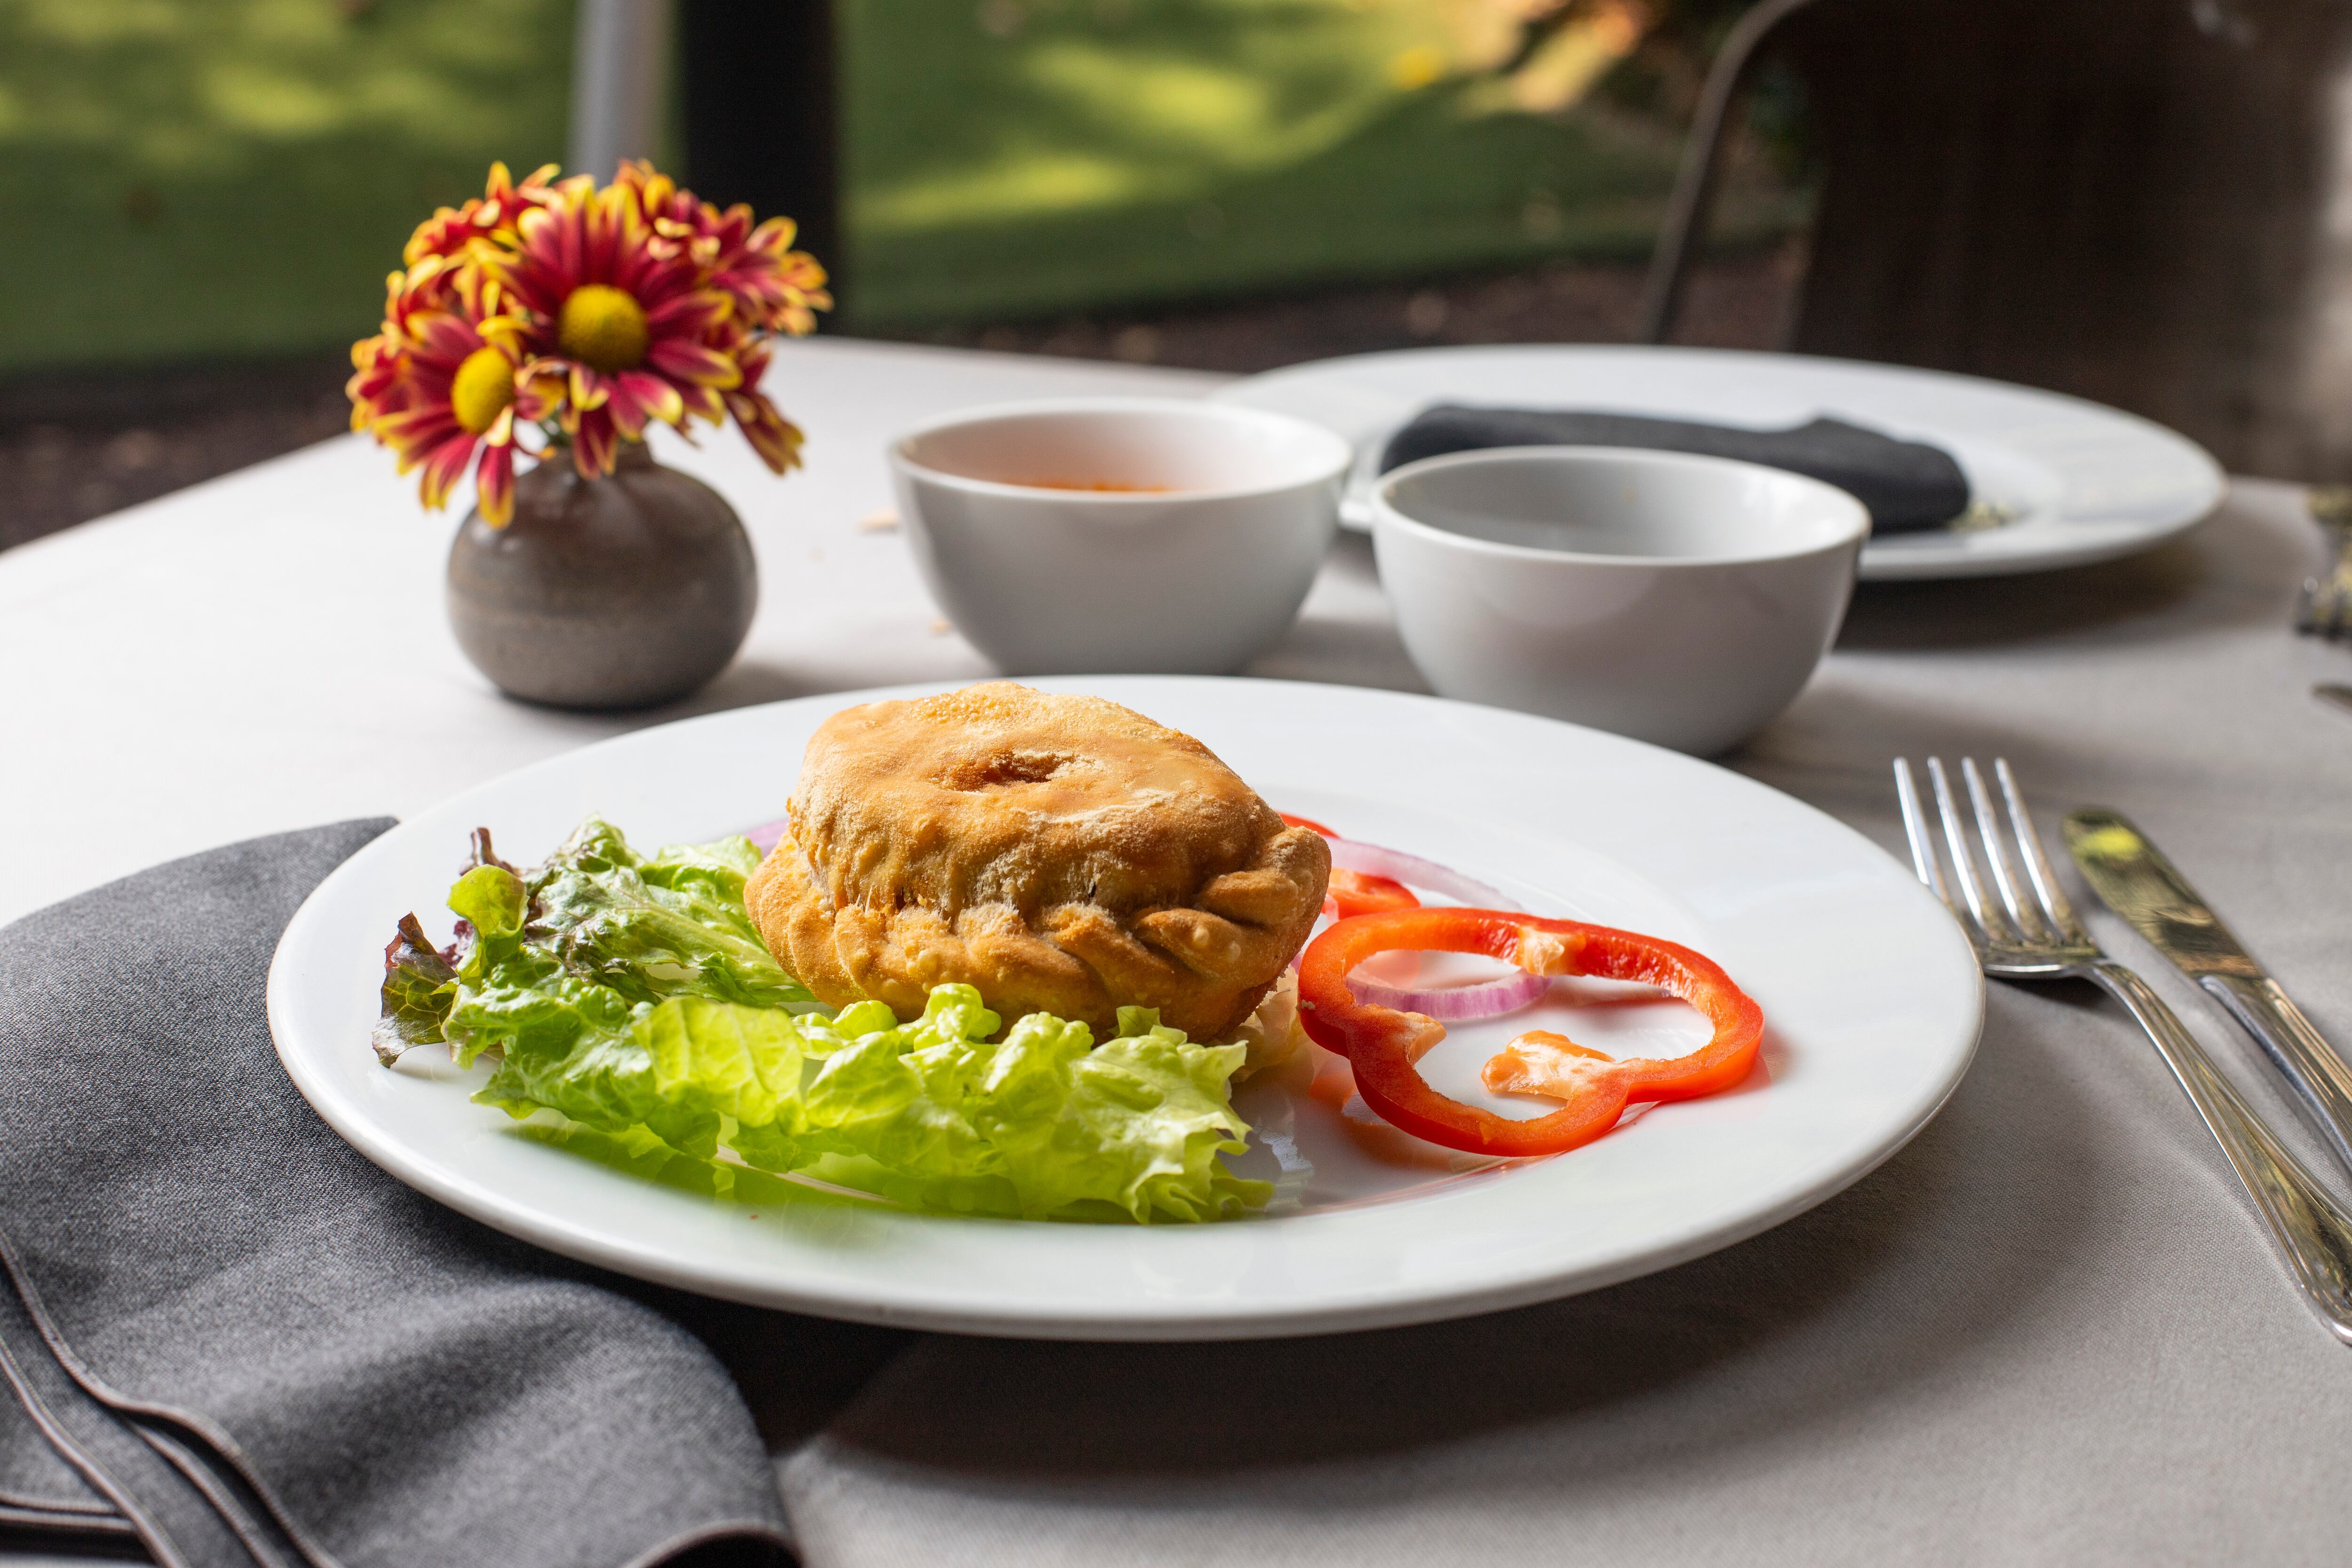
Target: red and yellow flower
pixel 459 390
pixel 624 315
pixel 772 285
pixel 489 217
pixel 588 312
pixel 776 438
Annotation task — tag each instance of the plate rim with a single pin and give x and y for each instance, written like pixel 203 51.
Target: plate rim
pixel 1882 564
pixel 1153 1320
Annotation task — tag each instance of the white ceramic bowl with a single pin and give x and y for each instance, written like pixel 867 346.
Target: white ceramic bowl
pixel 1191 560
pixel 1676 599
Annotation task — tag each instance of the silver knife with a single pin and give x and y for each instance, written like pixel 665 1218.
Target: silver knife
pixel 2140 884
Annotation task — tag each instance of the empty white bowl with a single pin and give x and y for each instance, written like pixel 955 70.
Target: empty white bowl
pixel 1676 599
pixel 1119 534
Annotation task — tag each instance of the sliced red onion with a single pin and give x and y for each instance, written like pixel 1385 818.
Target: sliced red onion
pixel 1354 854
pixel 767 833
pixel 1452 1004
pixel 1457 1004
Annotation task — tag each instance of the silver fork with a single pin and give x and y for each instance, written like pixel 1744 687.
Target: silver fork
pixel 2040 939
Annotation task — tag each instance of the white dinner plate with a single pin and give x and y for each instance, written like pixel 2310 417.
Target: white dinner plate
pixel 2075 481
pixel 1871 998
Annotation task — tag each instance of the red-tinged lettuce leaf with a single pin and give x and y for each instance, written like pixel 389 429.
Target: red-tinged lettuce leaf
pixel 419 987
pixel 483 855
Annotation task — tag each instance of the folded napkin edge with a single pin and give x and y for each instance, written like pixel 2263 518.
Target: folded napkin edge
pixel 745 1530
pixel 383 825
pixel 223 1450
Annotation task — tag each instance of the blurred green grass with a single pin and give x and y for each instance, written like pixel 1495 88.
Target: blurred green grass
pixel 192 178
pixel 1110 152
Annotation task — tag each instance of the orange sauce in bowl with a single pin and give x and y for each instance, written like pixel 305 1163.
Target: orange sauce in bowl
pixel 1099 486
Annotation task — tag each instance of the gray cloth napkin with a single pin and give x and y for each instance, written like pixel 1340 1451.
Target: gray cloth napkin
pixel 1908 486
pixel 230 1336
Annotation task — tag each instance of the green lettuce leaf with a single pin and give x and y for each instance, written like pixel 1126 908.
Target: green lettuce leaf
pixel 1138 1121
pixel 672 925
pixel 493 901
pixel 1043 1122
pixel 633 996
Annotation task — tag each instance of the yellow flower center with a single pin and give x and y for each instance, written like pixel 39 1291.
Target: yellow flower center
pixel 602 328
pixel 481 389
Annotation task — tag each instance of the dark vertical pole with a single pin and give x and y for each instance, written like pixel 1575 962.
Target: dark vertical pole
pixel 761 113
pixel 1684 231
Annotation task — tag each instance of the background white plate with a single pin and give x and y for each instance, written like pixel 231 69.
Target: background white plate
pixel 1872 999
pixel 2086 482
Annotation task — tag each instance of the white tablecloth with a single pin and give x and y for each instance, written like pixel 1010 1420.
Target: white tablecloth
pixel 2047 1331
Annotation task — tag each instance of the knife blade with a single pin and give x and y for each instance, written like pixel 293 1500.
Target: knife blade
pixel 2134 878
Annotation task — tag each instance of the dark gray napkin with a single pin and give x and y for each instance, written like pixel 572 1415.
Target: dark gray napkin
pixel 229 1333
pixel 1906 485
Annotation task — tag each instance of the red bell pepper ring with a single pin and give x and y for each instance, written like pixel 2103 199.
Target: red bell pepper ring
pixel 1382 1045
pixel 1352 893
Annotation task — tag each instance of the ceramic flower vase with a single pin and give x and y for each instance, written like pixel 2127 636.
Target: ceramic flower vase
pixel 619 592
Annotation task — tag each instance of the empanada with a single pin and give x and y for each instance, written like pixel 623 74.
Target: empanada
pixel 1061 854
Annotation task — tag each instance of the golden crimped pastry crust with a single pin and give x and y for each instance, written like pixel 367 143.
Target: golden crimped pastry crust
pixel 1062 854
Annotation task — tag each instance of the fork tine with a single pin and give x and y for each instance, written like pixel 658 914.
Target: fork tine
pixel 2037 865
pixel 1956 838
pixel 1915 829
pixel 1996 852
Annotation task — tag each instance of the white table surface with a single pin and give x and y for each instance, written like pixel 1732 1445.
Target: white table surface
pixel 269 650
pixel 2046 1333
